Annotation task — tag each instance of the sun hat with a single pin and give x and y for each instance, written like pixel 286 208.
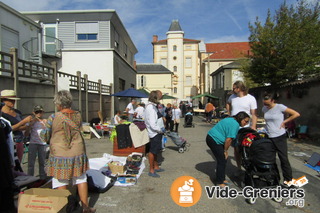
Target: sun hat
pixel 9 94
pixel 37 108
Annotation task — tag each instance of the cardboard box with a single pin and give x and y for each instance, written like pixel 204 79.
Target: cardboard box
pixel 117 169
pixel 72 188
pixel 86 132
pixel 43 200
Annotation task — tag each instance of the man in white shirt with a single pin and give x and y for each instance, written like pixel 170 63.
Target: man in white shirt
pixel 154 131
pixel 130 109
pixel 239 101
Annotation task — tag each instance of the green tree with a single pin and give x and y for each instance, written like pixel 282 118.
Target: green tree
pixel 287 46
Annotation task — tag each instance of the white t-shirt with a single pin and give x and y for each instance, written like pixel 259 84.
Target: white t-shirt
pixel 115 119
pixel 140 112
pixel 130 107
pixel 274 117
pixel 176 114
pixel 245 103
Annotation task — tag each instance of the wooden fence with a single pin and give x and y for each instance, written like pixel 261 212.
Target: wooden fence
pixel 15 72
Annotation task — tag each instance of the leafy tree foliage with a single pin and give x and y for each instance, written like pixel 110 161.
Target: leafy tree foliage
pixel 287 46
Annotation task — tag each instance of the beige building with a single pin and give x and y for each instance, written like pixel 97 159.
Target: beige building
pixel 154 77
pixel 182 57
pixel 218 55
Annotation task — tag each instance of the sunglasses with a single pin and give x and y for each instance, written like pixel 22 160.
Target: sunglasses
pixel 38 111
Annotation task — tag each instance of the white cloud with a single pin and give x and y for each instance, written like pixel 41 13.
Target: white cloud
pixel 229 38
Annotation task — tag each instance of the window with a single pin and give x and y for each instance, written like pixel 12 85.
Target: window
pixel 142 81
pixel 87 31
pixel 164 48
pixel 188 81
pixel 188 62
pixel 174 57
pixel 174 48
pixel 188 47
pixel 116 39
pixel 122 84
pixel 175 90
pixel 175 68
pixel 163 62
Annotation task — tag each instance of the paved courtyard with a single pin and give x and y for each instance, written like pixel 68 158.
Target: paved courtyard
pixel 153 194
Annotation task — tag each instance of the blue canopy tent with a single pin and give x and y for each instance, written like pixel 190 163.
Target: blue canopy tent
pixel 131 92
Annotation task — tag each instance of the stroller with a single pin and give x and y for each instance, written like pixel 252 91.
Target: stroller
pixel 179 141
pixel 188 118
pixel 259 160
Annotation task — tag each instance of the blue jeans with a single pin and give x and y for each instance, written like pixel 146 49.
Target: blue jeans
pixel 34 150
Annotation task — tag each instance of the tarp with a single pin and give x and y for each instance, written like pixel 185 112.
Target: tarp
pixel 168 97
pixel 165 96
pixel 131 92
pixel 205 95
pixel 143 90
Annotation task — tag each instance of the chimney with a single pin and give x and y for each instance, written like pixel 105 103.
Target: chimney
pixel 155 38
pixel 135 64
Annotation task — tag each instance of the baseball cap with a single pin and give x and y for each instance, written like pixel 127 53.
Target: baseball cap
pixel 37 108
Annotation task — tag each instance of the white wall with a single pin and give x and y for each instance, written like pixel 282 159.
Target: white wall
pixel 97 65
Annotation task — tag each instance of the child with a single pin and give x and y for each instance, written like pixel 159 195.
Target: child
pixel 117 120
pixel 37 146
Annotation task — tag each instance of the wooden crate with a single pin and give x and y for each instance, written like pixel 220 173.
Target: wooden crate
pixel 126 151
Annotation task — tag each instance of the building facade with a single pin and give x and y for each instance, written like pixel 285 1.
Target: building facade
pixel 15 30
pixel 94 42
pixel 182 57
pixel 154 77
pixel 219 55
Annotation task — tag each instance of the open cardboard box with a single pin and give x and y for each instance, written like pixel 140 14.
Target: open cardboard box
pixel 86 132
pixel 43 200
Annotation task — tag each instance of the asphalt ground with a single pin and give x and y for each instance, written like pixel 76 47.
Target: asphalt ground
pixel 153 194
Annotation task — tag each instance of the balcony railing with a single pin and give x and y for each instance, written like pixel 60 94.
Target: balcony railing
pixel 52 48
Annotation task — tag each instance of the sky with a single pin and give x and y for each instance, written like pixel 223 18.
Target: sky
pixel 213 21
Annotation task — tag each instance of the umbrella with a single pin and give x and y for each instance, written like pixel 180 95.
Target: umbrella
pixel 165 96
pixel 143 90
pixel 205 95
pixel 131 92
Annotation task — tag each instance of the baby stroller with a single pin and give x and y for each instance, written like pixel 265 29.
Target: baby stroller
pixel 188 118
pixel 179 141
pixel 259 160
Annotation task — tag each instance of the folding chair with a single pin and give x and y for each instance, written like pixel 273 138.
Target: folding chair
pixel 99 128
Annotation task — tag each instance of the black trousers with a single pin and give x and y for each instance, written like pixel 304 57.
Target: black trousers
pixel 218 152
pixel 176 127
pixel 169 124
pixel 282 149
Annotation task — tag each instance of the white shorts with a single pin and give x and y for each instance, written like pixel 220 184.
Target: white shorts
pixel 75 180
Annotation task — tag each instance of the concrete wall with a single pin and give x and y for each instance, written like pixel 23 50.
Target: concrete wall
pixel 96 64
pixel 301 97
pixel 32 94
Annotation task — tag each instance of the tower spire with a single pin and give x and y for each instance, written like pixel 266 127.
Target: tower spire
pixel 175 26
